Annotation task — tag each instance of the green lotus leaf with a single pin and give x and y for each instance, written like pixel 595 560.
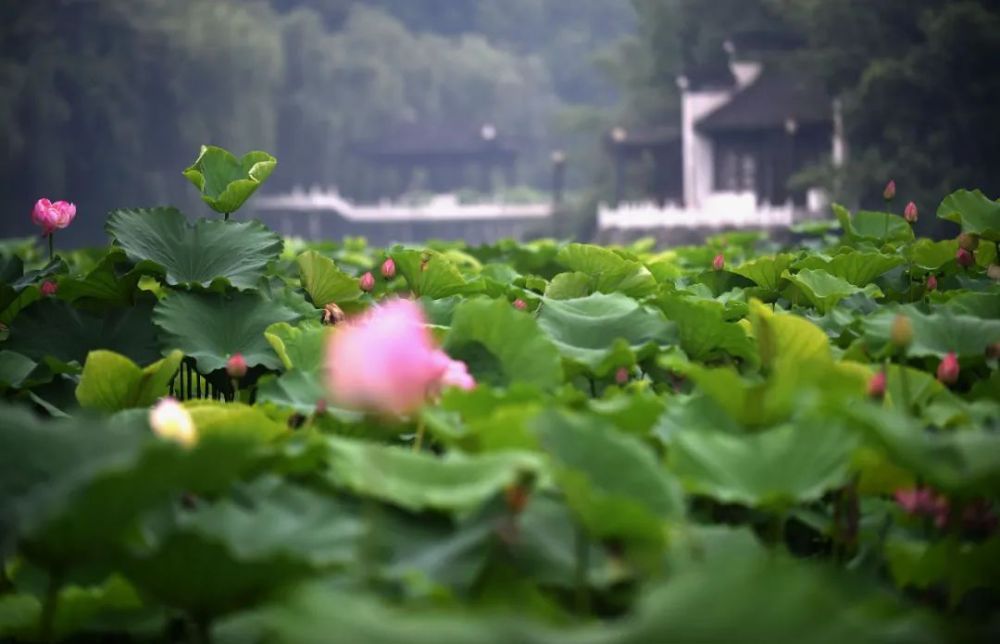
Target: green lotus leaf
pixel 959 566
pixel 824 290
pixel 421 481
pixel 566 286
pixel 430 274
pixel 588 331
pixel 222 556
pixel 934 334
pixel 300 347
pixel 502 345
pixel 856 267
pixel 14 369
pixel 226 182
pixel 977 213
pixel 777 467
pixel 869 226
pixel 111 382
pixel 233 252
pixel 703 332
pixel 53 328
pixel 766 272
pixel 212 327
pixel 610 272
pixel 324 282
pixel 932 255
pixel 611 480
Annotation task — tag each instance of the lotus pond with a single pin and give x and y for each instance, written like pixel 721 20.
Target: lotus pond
pixel 210 433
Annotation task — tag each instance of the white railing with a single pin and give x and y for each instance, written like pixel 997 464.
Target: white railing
pixel 441 207
pixel 720 210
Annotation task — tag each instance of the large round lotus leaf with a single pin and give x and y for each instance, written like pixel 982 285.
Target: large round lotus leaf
pixel 977 213
pixel 870 226
pixel 224 181
pixel 208 250
pixel 610 271
pixel 53 328
pixel 502 345
pixel 780 466
pixel 585 330
pixel 211 327
pixel 858 268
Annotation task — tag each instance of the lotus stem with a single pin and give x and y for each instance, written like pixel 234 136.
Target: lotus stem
pixel 46 622
pixel 52 246
pixel 418 441
pixel 582 568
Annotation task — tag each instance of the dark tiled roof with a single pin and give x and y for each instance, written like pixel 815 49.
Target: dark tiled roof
pixel 769 102
pixel 436 139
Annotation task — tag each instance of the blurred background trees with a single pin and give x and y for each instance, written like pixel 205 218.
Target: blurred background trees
pixel 102 101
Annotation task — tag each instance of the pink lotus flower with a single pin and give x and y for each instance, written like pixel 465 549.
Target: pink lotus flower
pixel 52 216
pixel 876 386
pixel 948 370
pixel 236 366
pixel 719 262
pixel 931 282
pixel 367 282
pixel 924 502
pixel 520 304
pixel 49 288
pixel 890 191
pixel 389 268
pixel 910 213
pixel 386 362
pixel 964 258
pixel 621 375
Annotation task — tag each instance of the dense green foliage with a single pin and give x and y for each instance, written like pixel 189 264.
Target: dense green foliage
pixel 655 451
pixel 104 100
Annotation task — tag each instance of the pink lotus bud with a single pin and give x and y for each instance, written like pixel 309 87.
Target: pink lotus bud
pixel 367 282
pixel 520 304
pixel 876 386
pixel 171 421
pixel 236 366
pixel 49 288
pixel 910 213
pixel 931 282
pixel 719 262
pixel 389 268
pixel 948 370
pixel 964 258
pixel 923 502
pixel 890 191
pixel 52 216
pixel 621 375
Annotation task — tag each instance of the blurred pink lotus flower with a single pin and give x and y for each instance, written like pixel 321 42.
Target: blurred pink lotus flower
pixel 385 361
pixel 49 288
pixel 52 216
pixel 876 386
pixel 236 366
pixel 719 262
pixel 964 258
pixel 931 282
pixel 366 282
pixel 520 304
pixel 621 375
pixel 948 370
pixel 889 193
pixel 389 268
pixel 910 213
pixel 924 502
